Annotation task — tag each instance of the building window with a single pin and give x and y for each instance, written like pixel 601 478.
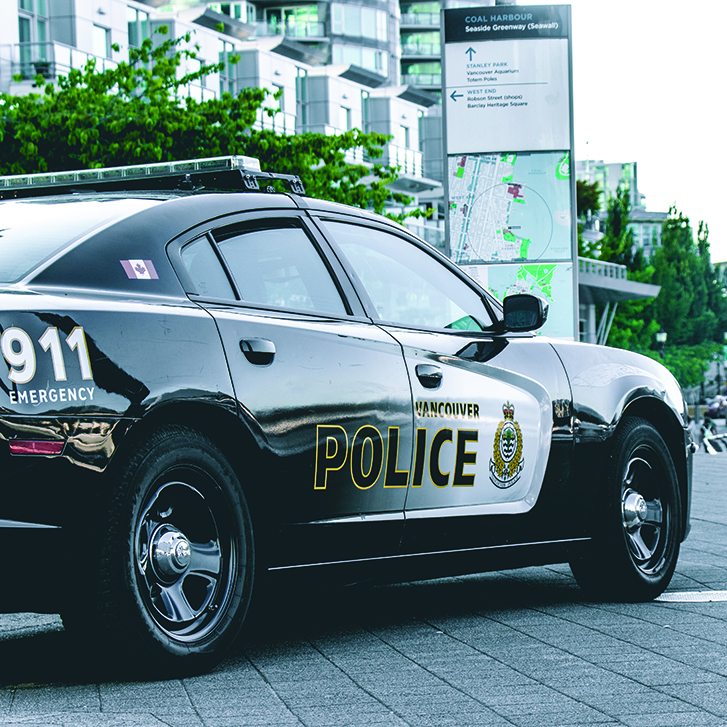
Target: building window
pixel 300 21
pixel 359 22
pixel 403 136
pixel 33 36
pixel 137 22
pixel 365 112
pixel 227 76
pixel 368 58
pixel 301 98
pixel 346 121
pixel 239 11
pixel 428 73
pixel 421 44
pixel 101 41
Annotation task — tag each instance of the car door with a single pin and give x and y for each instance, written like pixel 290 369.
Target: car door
pixel 483 402
pixel 324 392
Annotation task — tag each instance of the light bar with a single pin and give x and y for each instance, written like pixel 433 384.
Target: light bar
pixel 135 172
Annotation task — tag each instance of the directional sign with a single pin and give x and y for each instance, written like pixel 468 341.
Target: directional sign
pixel 508 74
pixel 509 140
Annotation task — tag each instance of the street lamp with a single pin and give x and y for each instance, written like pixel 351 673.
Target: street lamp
pixel 661 340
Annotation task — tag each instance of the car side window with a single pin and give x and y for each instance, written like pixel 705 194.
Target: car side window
pixel 406 284
pixel 205 269
pixel 280 267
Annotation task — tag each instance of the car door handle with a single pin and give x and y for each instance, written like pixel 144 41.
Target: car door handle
pixel 429 375
pixel 258 351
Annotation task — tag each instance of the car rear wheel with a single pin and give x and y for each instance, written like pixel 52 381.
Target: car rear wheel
pixel 177 562
pixel 636 541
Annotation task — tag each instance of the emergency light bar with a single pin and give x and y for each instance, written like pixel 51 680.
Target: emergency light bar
pixel 231 172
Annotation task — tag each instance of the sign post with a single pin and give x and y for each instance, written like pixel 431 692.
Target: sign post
pixel 508 118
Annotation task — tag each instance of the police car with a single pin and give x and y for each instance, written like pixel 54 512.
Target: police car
pixel 202 390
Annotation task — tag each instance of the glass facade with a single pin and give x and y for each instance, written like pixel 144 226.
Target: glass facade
pixel 368 58
pixel 239 11
pixel 426 43
pixel 359 22
pixel 422 73
pixel 426 13
pixel 299 21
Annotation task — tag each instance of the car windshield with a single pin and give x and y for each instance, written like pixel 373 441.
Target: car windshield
pixel 33 230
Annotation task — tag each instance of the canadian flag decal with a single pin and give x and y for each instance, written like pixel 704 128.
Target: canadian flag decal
pixel 140 269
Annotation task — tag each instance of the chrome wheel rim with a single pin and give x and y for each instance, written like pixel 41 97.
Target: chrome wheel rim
pixel 645 518
pixel 184 555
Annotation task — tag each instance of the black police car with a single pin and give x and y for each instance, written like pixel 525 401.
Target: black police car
pixel 201 390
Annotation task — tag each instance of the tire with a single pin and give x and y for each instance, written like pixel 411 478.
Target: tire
pixel 176 567
pixel 636 538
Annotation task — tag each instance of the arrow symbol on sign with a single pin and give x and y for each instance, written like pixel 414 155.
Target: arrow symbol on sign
pixel 454 95
pixel 470 51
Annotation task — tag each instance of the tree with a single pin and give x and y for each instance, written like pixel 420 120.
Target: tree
pixel 588 198
pixel 684 271
pixel 140 112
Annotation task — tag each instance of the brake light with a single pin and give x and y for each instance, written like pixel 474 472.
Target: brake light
pixel 44 447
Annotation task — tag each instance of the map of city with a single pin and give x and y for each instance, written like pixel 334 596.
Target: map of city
pixel 510 207
pixel 551 281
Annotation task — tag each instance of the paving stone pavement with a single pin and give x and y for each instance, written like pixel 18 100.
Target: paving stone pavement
pixel 513 648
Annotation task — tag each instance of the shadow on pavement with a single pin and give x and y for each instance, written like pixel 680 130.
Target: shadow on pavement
pixel 34 656
pixel 306 614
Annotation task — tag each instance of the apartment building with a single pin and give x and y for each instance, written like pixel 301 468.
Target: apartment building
pixel 644 224
pixel 336 64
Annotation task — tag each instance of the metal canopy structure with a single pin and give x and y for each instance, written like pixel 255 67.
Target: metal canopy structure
pixel 606 284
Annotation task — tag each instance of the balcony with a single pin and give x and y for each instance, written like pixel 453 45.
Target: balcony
pixel 603 269
pixel 51 60
pixel 281 122
pixel 419 20
pixel 409 160
pixel 421 50
pixel 302 30
pixel 429 233
pixel 422 79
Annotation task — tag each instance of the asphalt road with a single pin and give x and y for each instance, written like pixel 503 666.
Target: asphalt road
pixel 513 648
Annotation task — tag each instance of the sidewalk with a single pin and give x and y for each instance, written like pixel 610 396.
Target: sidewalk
pixel 514 648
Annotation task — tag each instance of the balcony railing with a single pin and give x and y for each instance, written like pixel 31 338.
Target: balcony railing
pixel 291 30
pixel 421 49
pixel 606 270
pixel 410 160
pixel 282 122
pixel 433 235
pixel 422 79
pixel 419 19
pixel 52 59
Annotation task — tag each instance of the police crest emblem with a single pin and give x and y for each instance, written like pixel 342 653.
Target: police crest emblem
pixel 507 460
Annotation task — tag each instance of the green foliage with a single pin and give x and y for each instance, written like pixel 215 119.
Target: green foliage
pixel 687 363
pixel 618 241
pixel 588 197
pixel 140 112
pixel 691 304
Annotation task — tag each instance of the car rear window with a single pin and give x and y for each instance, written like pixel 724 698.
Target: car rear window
pixel 34 230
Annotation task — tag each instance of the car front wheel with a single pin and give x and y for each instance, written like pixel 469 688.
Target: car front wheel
pixel 637 533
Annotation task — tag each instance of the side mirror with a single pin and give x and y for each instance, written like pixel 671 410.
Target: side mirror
pixel 524 312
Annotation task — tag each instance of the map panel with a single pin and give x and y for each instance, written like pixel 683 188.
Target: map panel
pixel 551 281
pixel 510 207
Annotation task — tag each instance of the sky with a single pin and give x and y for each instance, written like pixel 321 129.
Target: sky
pixel 650 86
